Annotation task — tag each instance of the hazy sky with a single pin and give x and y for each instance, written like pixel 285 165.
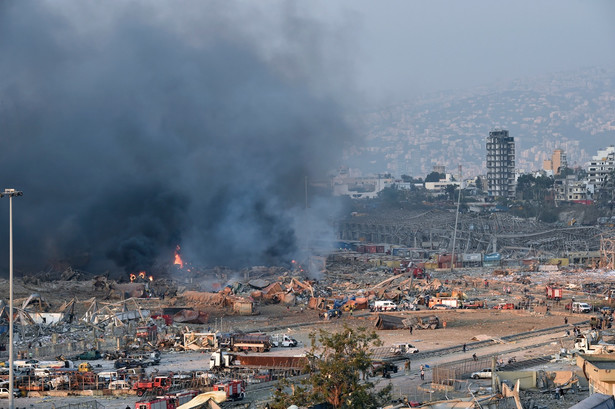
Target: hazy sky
pixel 397 48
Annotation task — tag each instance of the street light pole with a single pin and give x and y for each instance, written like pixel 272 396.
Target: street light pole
pixel 11 193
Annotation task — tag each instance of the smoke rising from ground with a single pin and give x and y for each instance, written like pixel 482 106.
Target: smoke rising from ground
pixel 133 127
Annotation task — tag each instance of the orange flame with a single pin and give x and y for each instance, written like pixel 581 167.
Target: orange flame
pixel 133 277
pixel 178 258
pixel 141 274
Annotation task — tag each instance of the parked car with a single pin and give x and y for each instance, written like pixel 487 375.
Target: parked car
pixel 333 313
pixel 4 393
pixel 482 374
pixel 581 307
pixel 441 307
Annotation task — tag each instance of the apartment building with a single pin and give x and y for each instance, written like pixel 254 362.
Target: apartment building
pixel 599 168
pixel 557 163
pixel 501 164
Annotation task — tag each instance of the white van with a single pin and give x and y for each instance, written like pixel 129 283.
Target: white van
pixel 119 385
pixel 385 306
pixel 578 307
pixel 107 375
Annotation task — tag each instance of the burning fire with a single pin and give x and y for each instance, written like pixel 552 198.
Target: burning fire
pixel 141 275
pixel 178 258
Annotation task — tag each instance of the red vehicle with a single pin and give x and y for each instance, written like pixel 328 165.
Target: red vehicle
pixel 418 273
pixel 474 304
pixel 168 320
pixel 504 306
pixel 159 385
pixel 147 333
pixel 234 389
pixel 554 293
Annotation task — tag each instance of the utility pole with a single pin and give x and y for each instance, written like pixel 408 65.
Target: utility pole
pixel 456 218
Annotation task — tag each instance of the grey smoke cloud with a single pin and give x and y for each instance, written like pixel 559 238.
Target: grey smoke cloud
pixel 133 127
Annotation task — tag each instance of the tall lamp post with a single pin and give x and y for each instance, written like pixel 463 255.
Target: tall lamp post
pixel 11 193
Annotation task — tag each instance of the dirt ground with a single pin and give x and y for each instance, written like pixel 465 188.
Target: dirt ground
pixel 461 325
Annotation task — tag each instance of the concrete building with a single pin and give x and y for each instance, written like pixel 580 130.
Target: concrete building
pixel 557 163
pixel 600 371
pixel 360 187
pixel 440 185
pixel 599 168
pixel 570 189
pixel 501 164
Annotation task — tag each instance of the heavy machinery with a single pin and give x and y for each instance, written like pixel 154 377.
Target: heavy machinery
pixel 590 343
pixel 427 322
pixel 159 385
pixel 245 342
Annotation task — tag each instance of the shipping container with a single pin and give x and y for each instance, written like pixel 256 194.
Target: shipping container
pixel 492 257
pixel 472 257
pixel 559 261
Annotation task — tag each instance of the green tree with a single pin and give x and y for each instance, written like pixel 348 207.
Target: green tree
pixel 434 177
pixel 450 191
pixel 410 179
pixel 479 183
pixel 337 364
pixel 534 188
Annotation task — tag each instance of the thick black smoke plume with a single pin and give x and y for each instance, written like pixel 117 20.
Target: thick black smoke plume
pixel 133 128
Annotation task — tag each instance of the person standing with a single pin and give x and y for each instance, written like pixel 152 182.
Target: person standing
pixel 410 329
pixel 464 347
pixel 422 374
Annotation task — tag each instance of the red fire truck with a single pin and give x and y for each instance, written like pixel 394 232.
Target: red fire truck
pixel 159 385
pixel 234 389
pixel 554 293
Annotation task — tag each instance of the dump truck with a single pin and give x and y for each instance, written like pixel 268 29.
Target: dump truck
pixel 427 322
pixel 245 342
